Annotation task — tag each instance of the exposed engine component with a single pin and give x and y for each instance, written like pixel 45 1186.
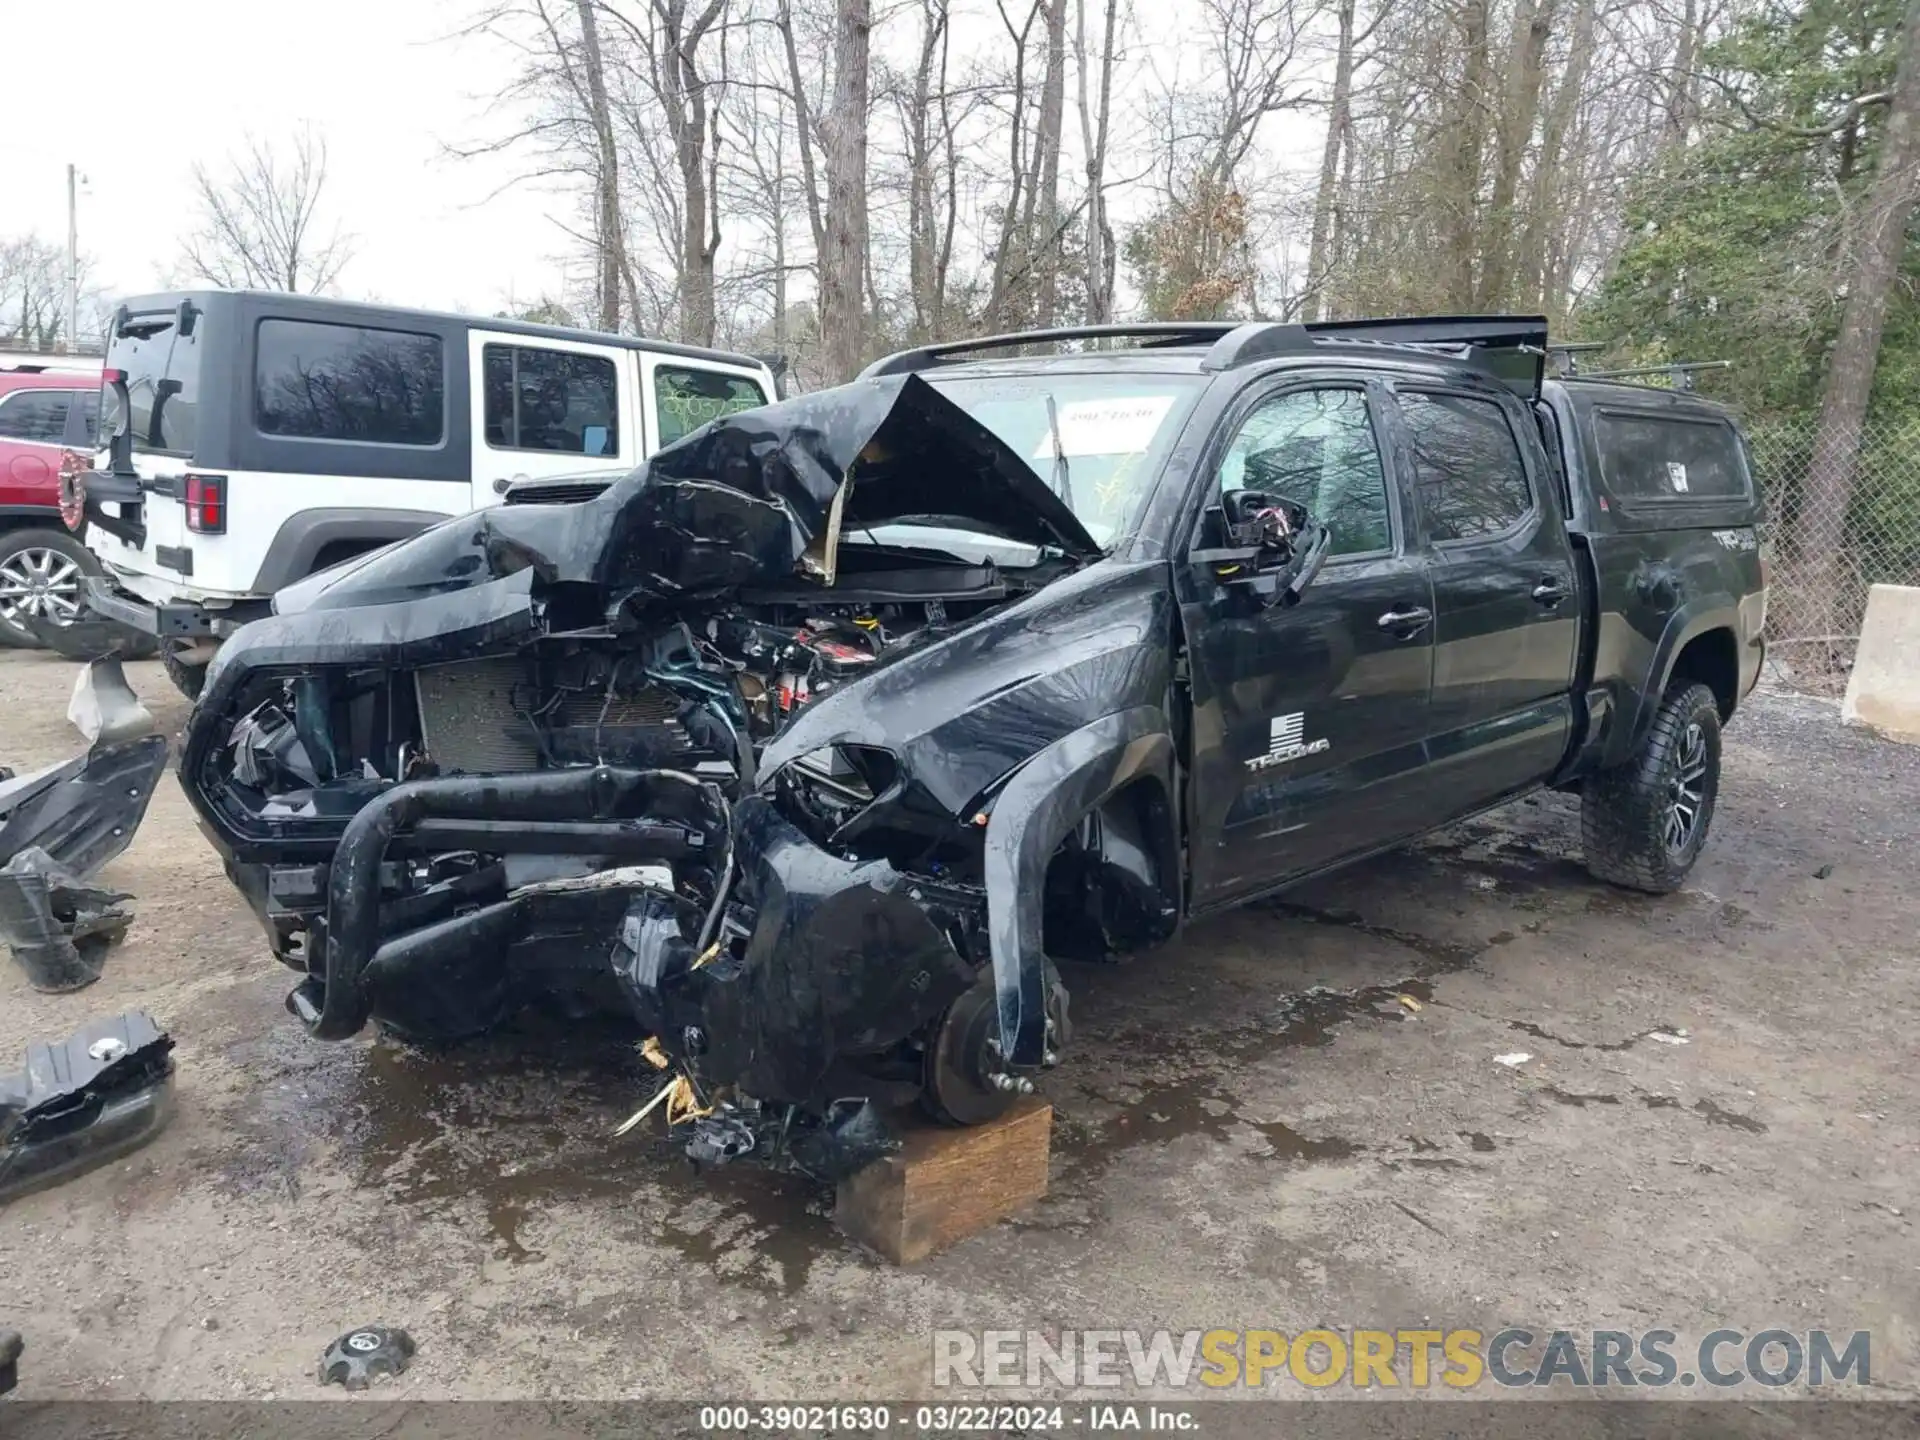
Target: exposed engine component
pixel 698 750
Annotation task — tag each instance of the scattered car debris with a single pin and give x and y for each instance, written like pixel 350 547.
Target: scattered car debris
pixel 61 824
pixel 57 926
pixel 1676 1036
pixel 359 1357
pixel 1517 1057
pixel 103 1091
pixel 11 1348
pixel 82 812
pixel 88 638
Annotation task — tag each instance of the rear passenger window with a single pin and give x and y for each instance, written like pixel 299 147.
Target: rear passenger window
pixel 34 415
pixel 1467 466
pixel 1316 448
pixel 688 399
pixel 1648 457
pixel 552 400
pixel 348 382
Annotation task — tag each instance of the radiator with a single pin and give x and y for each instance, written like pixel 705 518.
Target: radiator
pixel 467 719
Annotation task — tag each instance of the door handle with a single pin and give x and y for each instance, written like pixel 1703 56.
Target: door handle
pixel 1549 592
pixel 1406 623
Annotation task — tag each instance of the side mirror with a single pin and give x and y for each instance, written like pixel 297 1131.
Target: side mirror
pixel 1263 544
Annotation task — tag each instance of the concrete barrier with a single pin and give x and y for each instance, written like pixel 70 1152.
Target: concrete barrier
pixel 1883 693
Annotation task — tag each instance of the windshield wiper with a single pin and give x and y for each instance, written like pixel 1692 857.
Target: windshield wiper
pixel 1062 472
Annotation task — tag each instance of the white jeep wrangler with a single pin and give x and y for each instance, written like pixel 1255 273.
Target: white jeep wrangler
pixel 251 439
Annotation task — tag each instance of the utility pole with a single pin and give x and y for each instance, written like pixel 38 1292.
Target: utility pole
pixel 73 262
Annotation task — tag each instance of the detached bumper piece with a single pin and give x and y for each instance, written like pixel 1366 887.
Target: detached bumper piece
pixel 88 637
pixel 61 824
pixel 88 1099
pixel 58 927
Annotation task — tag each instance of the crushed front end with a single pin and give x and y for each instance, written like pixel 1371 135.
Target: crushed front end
pixel 534 757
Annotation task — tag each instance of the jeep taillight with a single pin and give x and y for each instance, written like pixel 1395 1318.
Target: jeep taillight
pixel 205 497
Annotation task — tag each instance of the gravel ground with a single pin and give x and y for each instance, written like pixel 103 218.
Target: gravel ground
pixel 1253 1130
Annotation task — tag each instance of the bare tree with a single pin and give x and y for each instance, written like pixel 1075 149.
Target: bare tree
pixel 1881 230
pixel 1095 125
pixel 683 50
pixel 844 233
pixel 261 225
pixel 33 293
pixel 609 229
pixel 1043 197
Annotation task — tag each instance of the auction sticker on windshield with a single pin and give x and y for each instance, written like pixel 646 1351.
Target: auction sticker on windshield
pixel 1124 425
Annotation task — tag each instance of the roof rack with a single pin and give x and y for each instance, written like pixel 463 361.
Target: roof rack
pixel 1150 333
pixel 1679 373
pixel 1232 344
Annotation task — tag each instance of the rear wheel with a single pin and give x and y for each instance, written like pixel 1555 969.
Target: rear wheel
pixel 187 679
pixel 1643 824
pixel 41 572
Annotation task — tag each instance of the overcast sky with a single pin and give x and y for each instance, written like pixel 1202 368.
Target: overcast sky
pixel 134 92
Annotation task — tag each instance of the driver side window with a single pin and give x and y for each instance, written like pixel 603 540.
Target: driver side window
pixel 1317 449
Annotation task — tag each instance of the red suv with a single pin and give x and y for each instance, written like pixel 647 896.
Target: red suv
pixel 43 412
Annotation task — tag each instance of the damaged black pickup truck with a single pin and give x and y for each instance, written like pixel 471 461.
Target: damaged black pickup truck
pixel 814 742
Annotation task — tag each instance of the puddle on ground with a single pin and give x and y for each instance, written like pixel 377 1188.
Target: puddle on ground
pixel 1441 956
pixel 1513 862
pixel 1733 1119
pixel 1196 1102
pixel 509 1125
pixel 1167 1112
pixel 1527 1027
pixel 1578 1099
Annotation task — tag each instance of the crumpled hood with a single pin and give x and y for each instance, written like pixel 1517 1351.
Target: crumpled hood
pixel 750 498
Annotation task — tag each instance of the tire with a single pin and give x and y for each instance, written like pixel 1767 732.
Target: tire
pixel 1634 821
pixel 48 566
pixel 187 679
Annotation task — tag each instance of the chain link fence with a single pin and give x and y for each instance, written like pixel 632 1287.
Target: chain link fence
pixel 1814 609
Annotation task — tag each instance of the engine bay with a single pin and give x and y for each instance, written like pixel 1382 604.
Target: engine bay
pixel 562 754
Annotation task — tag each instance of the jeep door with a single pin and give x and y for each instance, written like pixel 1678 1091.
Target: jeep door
pixel 547 407
pixel 1309 721
pixel 1507 611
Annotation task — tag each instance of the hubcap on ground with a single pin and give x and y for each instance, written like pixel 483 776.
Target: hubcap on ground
pixel 39 582
pixel 1687 792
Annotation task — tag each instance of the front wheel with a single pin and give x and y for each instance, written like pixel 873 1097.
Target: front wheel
pixel 1643 823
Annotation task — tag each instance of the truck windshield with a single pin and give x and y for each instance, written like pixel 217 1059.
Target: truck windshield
pixel 162 368
pixel 1111 431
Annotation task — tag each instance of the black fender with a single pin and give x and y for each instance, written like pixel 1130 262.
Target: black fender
pixel 1717 611
pixel 304 534
pixel 1039 805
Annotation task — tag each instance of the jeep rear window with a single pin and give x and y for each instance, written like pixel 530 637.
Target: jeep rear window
pixel 349 382
pixel 163 383
pixel 1113 430
pixel 689 398
pixel 1658 457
